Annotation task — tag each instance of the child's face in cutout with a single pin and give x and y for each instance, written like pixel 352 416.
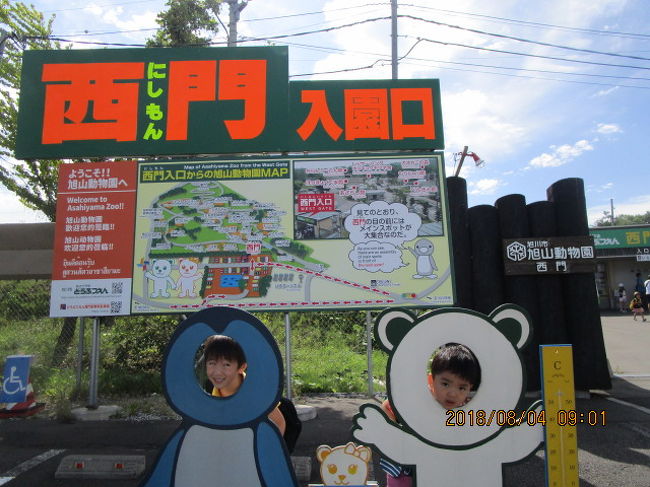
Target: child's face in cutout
pixel 225 375
pixel 449 389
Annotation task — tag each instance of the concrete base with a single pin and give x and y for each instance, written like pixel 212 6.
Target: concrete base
pixel 101 467
pixel 100 414
pixel 369 483
pixel 302 467
pixel 305 413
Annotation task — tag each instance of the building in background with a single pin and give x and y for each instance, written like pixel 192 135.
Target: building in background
pixel 621 253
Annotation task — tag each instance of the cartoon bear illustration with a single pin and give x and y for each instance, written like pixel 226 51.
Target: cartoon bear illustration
pixel 189 270
pixel 159 274
pixel 456 455
pixel 425 264
pixel 223 440
pixel 344 465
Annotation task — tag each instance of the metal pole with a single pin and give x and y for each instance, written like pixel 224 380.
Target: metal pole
pixel 371 391
pixel 287 354
pixel 80 352
pixel 94 366
pixel 393 28
pixel 611 204
pixel 462 158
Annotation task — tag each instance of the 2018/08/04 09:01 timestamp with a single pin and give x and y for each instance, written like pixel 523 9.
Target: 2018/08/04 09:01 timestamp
pixel 501 417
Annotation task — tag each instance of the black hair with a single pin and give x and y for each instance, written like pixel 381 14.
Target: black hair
pixel 223 347
pixel 459 360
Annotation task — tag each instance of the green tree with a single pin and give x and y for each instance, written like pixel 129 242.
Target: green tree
pixel 33 181
pixel 620 220
pixel 186 23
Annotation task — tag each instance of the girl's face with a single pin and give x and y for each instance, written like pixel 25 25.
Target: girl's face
pixel 225 375
pixel 449 389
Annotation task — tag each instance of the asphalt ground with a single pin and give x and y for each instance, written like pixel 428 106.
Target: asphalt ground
pixel 617 454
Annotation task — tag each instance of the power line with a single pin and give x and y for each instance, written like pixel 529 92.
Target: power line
pixel 520 39
pixel 536 77
pixel 538 24
pixel 547 71
pixel 515 53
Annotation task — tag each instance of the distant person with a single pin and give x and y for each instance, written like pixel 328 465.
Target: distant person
pixel 225 367
pixel 639 287
pixel 455 372
pixel 622 298
pixel 636 305
pixel 647 293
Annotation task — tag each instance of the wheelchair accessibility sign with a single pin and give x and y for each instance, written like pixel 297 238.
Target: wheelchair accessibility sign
pixel 15 378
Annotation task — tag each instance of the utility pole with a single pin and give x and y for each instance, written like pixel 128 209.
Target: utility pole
pixel 393 28
pixel 235 9
pixel 611 205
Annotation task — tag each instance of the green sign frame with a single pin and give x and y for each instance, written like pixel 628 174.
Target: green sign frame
pixel 211 101
pixel 117 102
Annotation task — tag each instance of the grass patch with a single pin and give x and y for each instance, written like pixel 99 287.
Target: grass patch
pixel 328 356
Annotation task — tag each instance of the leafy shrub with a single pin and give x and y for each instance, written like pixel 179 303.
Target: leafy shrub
pixel 22 300
pixel 136 344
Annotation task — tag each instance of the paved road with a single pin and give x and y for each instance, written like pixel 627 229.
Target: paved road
pixel 615 455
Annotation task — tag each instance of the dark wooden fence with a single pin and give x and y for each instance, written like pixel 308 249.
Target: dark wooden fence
pixel 563 308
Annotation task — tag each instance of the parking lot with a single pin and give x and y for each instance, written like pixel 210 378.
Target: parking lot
pixel 615 454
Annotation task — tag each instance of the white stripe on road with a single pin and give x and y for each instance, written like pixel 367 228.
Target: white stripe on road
pixel 625 403
pixel 637 428
pixel 27 465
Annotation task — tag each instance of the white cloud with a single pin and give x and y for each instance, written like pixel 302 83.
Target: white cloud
pixel 117 17
pixel 562 154
pixel 483 122
pixel 484 186
pixel 606 92
pixel 13 211
pixel 608 128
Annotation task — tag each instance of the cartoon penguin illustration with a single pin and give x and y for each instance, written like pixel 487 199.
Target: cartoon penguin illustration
pixel 425 264
pixel 225 441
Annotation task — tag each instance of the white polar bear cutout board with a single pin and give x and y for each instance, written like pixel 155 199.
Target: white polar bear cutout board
pixel 428 438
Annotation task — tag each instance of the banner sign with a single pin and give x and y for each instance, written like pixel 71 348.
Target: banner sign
pixel 617 238
pixel 291 233
pixel 158 101
pixel 623 242
pixel 93 242
pixel 548 255
pixel 365 115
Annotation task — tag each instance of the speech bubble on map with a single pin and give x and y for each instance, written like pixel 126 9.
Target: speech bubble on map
pixel 376 257
pixel 382 222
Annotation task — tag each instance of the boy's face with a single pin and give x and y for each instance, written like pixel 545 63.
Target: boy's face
pixel 225 375
pixel 449 389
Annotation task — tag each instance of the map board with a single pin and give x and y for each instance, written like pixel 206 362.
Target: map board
pixel 291 233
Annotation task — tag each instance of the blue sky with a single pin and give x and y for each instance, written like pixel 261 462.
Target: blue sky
pixel 535 117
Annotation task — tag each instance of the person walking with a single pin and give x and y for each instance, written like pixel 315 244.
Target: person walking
pixel 622 298
pixel 636 306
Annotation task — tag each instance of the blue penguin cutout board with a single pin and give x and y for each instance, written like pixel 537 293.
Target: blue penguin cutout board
pixel 223 441
pixel 433 442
